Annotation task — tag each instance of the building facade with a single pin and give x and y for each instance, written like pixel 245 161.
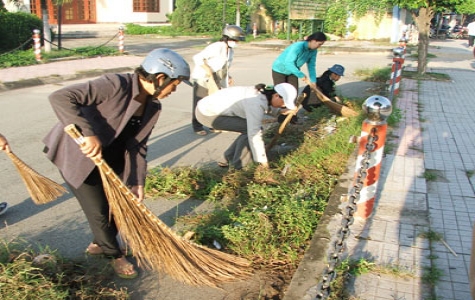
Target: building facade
pixel 101 11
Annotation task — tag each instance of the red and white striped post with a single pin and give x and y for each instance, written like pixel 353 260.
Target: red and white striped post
pixel 396 70
pixel 121 39
pixel 370 152
pixel 37 44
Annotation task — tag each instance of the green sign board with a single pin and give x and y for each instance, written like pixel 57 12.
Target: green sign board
pixel 307 9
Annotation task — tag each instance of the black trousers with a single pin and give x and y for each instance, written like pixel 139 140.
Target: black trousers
pixel 199 93
pixel 94 203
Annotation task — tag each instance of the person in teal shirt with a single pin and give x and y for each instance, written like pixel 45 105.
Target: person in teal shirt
pixel 286 67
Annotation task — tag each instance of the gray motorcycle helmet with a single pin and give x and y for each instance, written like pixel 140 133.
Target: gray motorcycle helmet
pixel 234 32
pixel 168 62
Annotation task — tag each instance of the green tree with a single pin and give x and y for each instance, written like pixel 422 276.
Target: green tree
pixel 422 12
pixel 208 15
pixel 183 17
pixel 465 8
pixel 336 18
pixel 277 9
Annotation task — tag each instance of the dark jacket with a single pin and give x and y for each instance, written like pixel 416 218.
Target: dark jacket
pixel 100 107
pixel 326 85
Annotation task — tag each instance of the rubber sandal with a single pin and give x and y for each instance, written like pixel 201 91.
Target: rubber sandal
pixel 201 132
pixel 223 164
pixel 121 268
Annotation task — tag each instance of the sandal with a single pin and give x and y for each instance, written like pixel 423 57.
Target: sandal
pixel 95 250
pixel 201 132
pixel 223 164
pixel 123 268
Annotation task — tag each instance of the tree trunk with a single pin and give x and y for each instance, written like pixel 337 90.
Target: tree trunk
pixel 46 27
pixel 422 19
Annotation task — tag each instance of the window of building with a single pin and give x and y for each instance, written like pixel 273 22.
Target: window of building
pixel 146 6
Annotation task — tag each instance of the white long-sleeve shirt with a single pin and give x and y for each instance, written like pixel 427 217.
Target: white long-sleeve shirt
pixel 243 102
pixel 219 57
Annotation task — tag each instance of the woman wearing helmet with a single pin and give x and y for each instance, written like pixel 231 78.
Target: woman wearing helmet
pixel 116 114
pixel 326 84
pixel 242 109
pixel 211 69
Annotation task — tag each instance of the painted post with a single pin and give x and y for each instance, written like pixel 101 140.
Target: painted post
pixel 37 44
pixel 396 71
pixel 370 152
pixel 121 39
pixel 254 30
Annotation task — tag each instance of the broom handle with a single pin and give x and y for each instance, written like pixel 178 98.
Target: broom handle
pixel 77 136
pixel 319 94
pixel 285 122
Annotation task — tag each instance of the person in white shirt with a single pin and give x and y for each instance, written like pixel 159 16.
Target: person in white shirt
pixel 242 109
pixel 471 33
pixel 211 69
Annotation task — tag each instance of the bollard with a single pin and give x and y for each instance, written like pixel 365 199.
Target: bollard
pixel 396 71
pixel 37 44
pixel 370 153
pixel 254 30
pixel 121 39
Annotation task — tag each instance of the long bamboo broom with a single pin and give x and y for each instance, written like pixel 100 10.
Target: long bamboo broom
pixel 41 189
pixel 155 245
pixel 286 121
pixel 343 110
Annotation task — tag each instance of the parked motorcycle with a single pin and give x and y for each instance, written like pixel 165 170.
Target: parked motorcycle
pixel 443 32
pixel 458 32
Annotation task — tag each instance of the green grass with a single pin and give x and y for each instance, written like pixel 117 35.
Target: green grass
pixel 28 272
pixel 259 212
pixel 27 58
pixel 374 74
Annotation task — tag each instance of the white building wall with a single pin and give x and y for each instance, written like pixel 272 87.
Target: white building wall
pixel 121 11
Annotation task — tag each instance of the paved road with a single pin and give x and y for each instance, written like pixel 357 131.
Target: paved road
pixel 26 117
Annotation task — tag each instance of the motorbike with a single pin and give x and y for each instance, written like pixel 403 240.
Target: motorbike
pixel 458 32
pixel 443 32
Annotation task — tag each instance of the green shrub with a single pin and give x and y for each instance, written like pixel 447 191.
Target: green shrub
pixel 16 30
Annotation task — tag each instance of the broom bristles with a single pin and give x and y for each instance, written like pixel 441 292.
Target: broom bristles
pixel 41 189
pixel 343 110
pixel 157 247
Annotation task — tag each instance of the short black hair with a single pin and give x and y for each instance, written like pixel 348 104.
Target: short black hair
pixel 317 36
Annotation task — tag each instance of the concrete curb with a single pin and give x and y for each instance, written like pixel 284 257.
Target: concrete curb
pixel 26 83
pixel 305 281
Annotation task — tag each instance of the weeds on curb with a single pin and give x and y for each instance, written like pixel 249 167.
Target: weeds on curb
pixel 432 273
pixel 429 175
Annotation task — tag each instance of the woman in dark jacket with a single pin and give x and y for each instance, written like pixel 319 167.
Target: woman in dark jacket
pixel 326 84
pixel 116 114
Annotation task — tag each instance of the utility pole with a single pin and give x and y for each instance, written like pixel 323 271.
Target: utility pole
pixel 288 23
pixel 224 13
pixel 238 13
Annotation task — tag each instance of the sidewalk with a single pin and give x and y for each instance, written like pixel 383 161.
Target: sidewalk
pixel 435 136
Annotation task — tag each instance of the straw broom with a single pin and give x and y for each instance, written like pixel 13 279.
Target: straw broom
pixel 286 121
pixel 41 189
pixel 343 110
pixel 155 245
